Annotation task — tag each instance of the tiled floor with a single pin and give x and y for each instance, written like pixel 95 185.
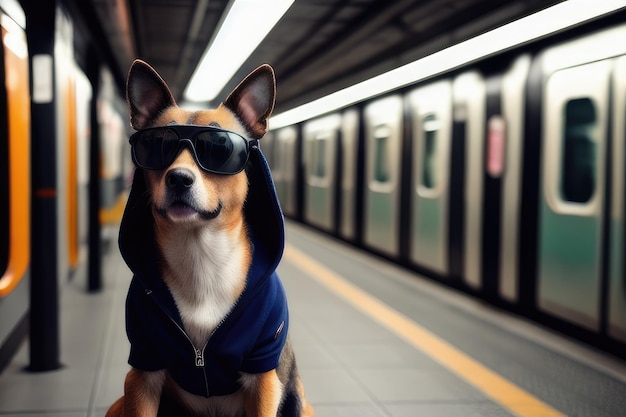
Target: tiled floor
pixel 350 364
pixel 94 351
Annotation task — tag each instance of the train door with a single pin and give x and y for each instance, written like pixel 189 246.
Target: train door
pixel 15 181
pixel 469 92
pixel 512 102
pixel 617 280
pixel 383 140
pixel 493 170
pixel 571 206
pixel 431 108
pixel 502 179
pixel 15 157
pixel 285 168
pixel 321 137
pixel 349 156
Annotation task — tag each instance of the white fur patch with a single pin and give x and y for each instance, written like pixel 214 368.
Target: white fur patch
pixel 206 272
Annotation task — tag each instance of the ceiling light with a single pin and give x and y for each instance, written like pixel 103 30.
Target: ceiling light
pixel 532 27
pixel 15 11
pixel 245 26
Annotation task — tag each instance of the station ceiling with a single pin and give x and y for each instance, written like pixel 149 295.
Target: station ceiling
pixel 318 46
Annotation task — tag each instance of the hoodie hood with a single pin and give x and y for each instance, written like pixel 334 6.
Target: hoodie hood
pixel 262 214
pixel 251 104
pixel 249 339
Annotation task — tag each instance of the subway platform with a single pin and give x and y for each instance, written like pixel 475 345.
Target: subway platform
pixel 372 340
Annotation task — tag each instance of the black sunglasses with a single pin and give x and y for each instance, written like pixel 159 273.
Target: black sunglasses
pixel 215 150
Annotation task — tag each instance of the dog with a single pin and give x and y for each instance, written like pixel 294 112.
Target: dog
pixel 202 231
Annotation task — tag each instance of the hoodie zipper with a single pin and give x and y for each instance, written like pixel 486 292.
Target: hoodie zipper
pixel 199 353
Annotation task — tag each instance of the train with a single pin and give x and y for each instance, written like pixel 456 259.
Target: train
pixel 502 177
pixel 51 108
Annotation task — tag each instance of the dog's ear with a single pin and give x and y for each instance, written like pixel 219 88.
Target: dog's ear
pixel 253 100
pixel 147 94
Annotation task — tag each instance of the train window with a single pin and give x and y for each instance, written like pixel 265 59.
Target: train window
pixel 430 126
pixel 578 166
pixel 381 153
pixel 318 165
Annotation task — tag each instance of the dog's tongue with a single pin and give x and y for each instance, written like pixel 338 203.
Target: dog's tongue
pixel 181 210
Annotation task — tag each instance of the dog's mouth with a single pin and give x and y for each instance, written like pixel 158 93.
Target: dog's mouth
pixel 182 210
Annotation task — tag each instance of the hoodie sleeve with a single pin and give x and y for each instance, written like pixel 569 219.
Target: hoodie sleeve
pixel 269 345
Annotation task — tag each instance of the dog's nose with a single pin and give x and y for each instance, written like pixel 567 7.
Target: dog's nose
pixel 179 179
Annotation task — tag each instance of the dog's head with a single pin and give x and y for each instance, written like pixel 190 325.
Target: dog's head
pixel 191 172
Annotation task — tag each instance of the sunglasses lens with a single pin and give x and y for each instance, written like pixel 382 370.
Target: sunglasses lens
pixel 155 149
pixel 217 151
pixel 221 152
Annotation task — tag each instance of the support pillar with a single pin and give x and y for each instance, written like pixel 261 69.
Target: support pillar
pixel 44 292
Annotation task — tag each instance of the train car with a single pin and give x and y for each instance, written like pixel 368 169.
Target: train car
pixel 502 177
pixel 581 83
pixel 57 85
pixel 14 180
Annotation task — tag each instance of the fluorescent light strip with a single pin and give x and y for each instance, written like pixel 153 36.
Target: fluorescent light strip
pixel 245 26
pixel 15 11
pixel 14 39
pixel 535 26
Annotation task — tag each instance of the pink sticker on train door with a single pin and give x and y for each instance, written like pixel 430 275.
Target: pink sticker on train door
pixel 496 146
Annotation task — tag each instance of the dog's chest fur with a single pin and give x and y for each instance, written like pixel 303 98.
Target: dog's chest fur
pixel 205 271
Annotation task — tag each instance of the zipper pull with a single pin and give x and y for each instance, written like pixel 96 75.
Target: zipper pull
pixel 199 358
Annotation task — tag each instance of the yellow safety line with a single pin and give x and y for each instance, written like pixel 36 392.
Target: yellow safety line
pixel 507 394
pixel 113 214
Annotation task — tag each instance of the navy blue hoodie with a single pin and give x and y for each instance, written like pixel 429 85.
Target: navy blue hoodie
pixel 250 338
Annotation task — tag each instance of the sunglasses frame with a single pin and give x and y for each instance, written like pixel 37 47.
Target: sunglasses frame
pixel 187 137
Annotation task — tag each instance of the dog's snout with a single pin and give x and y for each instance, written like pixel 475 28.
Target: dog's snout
pixel 180 179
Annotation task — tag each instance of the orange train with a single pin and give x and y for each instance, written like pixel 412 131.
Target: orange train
pixel 60 80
